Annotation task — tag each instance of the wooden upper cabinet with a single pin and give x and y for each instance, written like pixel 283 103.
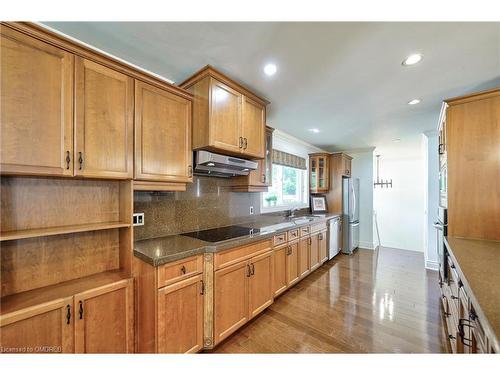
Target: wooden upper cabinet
pixel 253 128
pixel 104 108
pixel 46 329
pixel 36 106
pixel 162 135
pixel 104 321
pixel 319 173
pixel 227 117
pixel 180 316
pixel 260 283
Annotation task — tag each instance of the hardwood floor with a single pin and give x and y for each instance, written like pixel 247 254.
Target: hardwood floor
pixel 381 301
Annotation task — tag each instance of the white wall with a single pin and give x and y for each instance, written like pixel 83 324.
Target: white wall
pixel 400 209
pixel 362 168
pixel 430 141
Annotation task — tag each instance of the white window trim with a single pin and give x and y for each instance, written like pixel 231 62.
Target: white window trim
pixel 287 143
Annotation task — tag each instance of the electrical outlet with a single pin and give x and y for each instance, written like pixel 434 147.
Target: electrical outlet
pixel 251 210
pixel 138 219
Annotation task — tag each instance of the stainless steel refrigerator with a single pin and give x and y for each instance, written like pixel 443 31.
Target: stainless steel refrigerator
pixel 350 204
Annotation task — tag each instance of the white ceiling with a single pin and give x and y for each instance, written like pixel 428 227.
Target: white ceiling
pixel 345 79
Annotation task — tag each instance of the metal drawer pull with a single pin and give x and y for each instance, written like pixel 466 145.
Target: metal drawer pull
pixel 451 337
pixel 202 292
pixel 80 311
pixel 183 270
pixel 80 160
pixel 68 159
pixel 68 314
pixel 249 272
pixel 253 269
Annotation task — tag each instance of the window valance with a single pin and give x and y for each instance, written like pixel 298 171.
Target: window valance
pixel 288 160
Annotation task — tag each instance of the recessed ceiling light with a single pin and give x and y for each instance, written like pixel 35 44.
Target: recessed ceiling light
pixel 314 130
pixel 414 101
pixel 270 69
pixel 396 140
pixel 412 59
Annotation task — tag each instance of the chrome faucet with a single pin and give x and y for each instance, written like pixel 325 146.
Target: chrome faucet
pixel 291 212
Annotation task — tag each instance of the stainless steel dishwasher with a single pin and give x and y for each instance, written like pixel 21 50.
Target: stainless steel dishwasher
pixel 333 237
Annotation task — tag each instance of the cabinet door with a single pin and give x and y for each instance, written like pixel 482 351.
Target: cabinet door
pixel 230 299
pixel 323 250
pixel 225 117
pixel 268 160
pixel 347 166
pixel 104 128
pixel 322 173
pixel 104 319
pixel 280 269
pixel 180 316
pixel 162 135
pixel 260 283
pixel 314 258
pixel 313 174
pixel 253 128
pixel 292 264
pixel 36 101
pixel 42 329
pixel 304 267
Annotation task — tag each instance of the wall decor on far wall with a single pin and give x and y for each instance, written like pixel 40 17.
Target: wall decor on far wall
pixel 318 204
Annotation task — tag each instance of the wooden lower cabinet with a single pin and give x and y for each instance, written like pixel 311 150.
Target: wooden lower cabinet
pixel 314 259
pixel 260 283
pixel 47 328
pixel 280 255
pixel 323 249
pixel 230 299
pixel 292 264
pixel 180 316
pixel 104 319
pixel 304 257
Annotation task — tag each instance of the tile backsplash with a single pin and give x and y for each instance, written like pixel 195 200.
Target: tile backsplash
pixel 206 203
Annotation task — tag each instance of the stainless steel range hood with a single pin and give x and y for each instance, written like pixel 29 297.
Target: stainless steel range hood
pixel 216 165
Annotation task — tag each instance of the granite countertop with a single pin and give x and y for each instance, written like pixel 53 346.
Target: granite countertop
pixel 478 264
pixel 161 250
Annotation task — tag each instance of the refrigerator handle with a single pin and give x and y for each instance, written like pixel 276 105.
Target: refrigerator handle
pixel 353 202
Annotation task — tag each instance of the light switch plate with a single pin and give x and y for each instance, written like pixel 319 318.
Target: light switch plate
pixel 138 219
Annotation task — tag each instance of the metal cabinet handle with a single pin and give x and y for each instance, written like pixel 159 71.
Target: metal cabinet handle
pixel 68 314
pixel 80 160
pixel 246 144
pixel 321 236
pixel 441 149
pixel 80 311
pixel 183 270
pixel 190 171
pixel 264 178
pixel 241 142
pixel 248 271
pixel 68 159
pixel 310 241
pixel 453 297
pixel 202 292
pixel 253 268
pixel 451 337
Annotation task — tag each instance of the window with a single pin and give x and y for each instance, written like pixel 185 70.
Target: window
pixel 289 190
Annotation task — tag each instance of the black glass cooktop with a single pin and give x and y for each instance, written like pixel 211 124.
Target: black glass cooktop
pixel 222 234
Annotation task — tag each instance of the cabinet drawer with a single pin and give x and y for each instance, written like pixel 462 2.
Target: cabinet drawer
pixel 232 256
pixel 318 227
pixel 180 270
pixel 279 239
pixel 293 234
pixel 304 231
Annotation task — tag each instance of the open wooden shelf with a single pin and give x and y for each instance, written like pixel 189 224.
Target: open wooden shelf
pixel 25 300
pixel 54 231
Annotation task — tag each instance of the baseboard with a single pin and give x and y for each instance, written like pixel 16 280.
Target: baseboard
pixel 366 245
pixel 432 265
